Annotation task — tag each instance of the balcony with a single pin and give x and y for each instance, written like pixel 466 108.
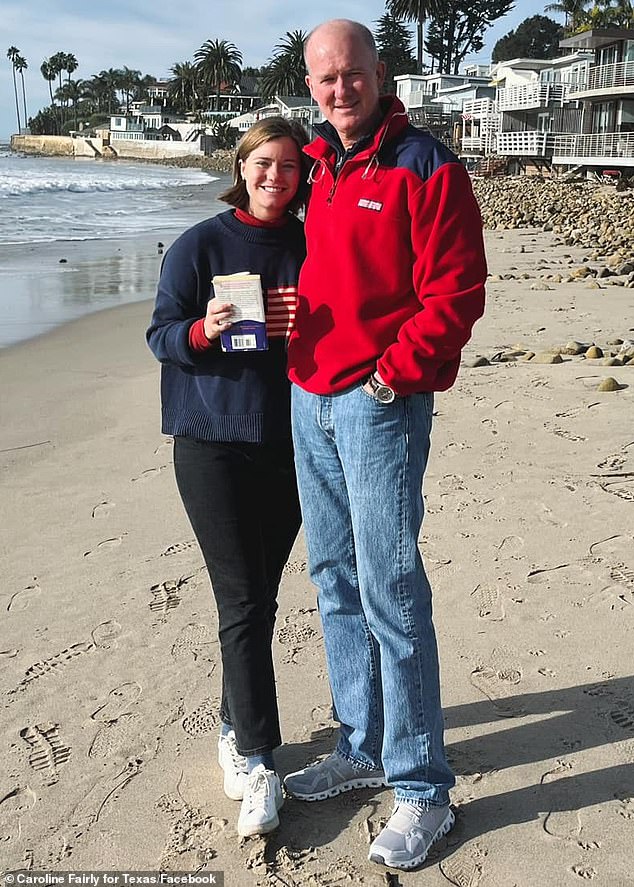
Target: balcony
pixel 569 148
pixel 530 143
pixel 531 95
pixel 418 98
pixel 478 109
pixel 614 146
pixel 605 80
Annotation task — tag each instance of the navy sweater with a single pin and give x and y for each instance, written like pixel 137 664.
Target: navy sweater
pixel 216 395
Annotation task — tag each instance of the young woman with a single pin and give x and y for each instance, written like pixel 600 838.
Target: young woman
pixel 229 413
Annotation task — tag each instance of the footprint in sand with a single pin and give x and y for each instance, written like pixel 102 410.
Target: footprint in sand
pixel 612 597
pixel 21 600
pixel 196 640
pixel 203 719
pixel 616 547
pixel 546 516
pixel 626 808
pixel 296 632
pixel 511 546
pixel 496 681
pixel 193 836
pixel 119 701
pixel 561 768
pixel 178 548
pixel 566 573
pixel 623 489
pixel 149 473
pixel 56 665
pixel 613 463
pixel 584 871
pixel 166 445
pixel 564 433
pixel 465 865
pixel 13 805
pixel 166 597
pixel 623 715
pixel 291 568
pixel 47 751
pixel 105 634
pixel 106 544
pixel 623 575
pixel 489 602
pixel 7 655
pixel 102 509
pixel 120 736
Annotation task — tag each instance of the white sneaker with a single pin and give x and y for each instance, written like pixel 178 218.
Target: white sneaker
pixel 410 833
pixel 234 766
pixel 262 799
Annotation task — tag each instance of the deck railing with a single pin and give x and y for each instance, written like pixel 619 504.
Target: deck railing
pixel 607 144
pixel 604 77
pixel 564 144
pixel 531 95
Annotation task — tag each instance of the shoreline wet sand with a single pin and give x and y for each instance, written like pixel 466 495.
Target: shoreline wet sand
pixel 109 664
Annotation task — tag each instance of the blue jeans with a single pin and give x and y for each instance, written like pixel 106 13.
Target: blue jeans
pixel 360 467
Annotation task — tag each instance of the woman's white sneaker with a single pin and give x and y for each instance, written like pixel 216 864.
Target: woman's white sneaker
pixel 261 802
pixel 234 766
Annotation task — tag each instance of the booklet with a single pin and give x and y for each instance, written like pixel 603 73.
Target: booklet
pixel 248 326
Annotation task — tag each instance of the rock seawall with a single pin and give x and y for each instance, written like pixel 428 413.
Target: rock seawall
pixel 586 214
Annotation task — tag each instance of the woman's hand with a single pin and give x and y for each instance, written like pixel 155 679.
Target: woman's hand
pixel 217 319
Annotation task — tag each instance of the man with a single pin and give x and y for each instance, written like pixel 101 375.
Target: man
pixel 391 287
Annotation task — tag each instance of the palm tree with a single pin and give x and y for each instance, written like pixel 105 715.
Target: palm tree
pixel 415 11
pixel 12 53
pixel 286 71
pixel 111 81
pixel 129 81
pixel 218 64
pixel 21 66
pixel 49 73
pixel 70 64
pixel 71 92
pixel 619 16
pixel 573 10
pixel 57 62
pixel 183 88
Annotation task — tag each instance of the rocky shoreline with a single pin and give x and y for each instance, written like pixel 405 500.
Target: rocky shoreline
pixel 219 161
pixel 587 214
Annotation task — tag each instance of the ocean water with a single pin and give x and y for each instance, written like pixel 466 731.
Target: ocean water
pixel 75 234
pixel 45 199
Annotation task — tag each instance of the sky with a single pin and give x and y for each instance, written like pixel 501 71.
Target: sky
pixel 152 35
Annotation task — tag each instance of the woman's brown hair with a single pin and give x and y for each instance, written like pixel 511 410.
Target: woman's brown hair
pixel 264 131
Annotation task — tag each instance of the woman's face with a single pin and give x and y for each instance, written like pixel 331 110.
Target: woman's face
pixel 271 174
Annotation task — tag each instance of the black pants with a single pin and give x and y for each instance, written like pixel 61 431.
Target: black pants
pixel 242 502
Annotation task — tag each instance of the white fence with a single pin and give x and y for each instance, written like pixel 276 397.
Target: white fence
pixel 531 95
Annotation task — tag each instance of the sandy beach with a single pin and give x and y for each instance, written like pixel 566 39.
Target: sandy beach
pixel 109 661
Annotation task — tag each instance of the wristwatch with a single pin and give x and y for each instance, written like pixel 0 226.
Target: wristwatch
pixel 381 392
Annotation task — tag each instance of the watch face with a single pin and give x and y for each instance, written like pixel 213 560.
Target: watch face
pixel 384 394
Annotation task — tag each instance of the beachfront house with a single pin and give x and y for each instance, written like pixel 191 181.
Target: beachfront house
pixel 158 132
pixel 534 107
pixel 302 108
pixel 604 140
pixel 575 111
pixel 435 101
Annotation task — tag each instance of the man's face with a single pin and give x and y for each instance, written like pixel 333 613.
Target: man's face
pixel 344 79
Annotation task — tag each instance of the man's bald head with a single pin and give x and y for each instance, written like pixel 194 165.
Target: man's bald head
pixel 340 27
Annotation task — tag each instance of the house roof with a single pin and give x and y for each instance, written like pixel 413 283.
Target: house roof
pixel 595 38
pixel 296 101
